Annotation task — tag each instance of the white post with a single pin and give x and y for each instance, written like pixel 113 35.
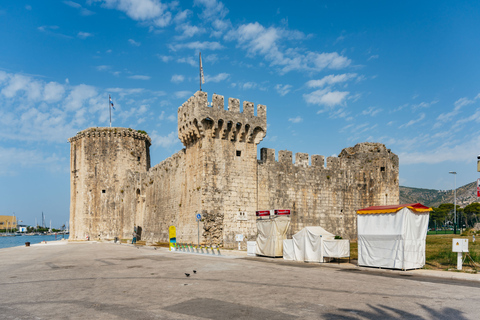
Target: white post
pixel 459 261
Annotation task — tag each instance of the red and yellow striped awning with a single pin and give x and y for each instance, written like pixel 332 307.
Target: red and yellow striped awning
pixel 415 207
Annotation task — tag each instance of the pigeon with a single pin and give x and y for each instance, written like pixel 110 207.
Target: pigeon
pixel 155 248
pixel 187 274
pixel 194 271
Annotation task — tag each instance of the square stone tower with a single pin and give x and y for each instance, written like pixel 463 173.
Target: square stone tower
pixel 221 163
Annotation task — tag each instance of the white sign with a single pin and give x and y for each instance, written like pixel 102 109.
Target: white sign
pixel 460 245
pixel 239 237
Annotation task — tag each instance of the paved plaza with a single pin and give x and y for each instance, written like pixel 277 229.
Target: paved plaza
pixel 92 280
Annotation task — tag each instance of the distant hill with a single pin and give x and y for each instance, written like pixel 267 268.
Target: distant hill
pixel 433 198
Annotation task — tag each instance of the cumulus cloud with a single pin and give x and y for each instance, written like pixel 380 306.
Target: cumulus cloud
pixel 283 89
pixel 83 11
pixel 326 97
pixel 197 45
pixel 182 94
pixel 164 141
pixel 371 111
pixel 268 42
pixel 297 119
pixel 211 9
pixel 188 60
pixel 177 78
pixel 188 31
pixel 150 11
pixel 413 121
pixel 140 77
pixel 218 78
pixel 84 35
pixel 331 80
pixel 134 43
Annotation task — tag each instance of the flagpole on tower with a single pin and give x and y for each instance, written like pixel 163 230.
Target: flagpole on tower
pixel 202 79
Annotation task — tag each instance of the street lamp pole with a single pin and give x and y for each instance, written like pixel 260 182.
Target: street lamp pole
pixel 454 202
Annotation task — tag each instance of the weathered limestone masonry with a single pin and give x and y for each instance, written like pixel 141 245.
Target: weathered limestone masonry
pixel 362 176
pixel 100 159
pixel 218 175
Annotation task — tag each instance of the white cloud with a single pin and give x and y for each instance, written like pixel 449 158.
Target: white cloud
pixel 212 9
pixel 177 78
pixel 151 11
pixel 83 11
pixel 444 117
pixel 134 43
pixel 211 58
pixel 164 58
pixel 189 60
pixel 375 56
pixel 326 97
pixel 218 78
pixel 249 85
pixel 283 89
pixel 424 105
pixel 84 35
pixel 464 151
pixel 330 80
pixel 53 92
pixel 140 77
pixel 371 111
pixel 258 40
pixel 182 94
pixel 182 16
pixel 164 141
pixel 197 45
pixel 103 68
pixel 188 31
pixel 28 7
pixel 297 119
pixel 413 121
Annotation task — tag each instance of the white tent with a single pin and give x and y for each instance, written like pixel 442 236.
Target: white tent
pixel 392 236
pixel 270 235
pixel 307 244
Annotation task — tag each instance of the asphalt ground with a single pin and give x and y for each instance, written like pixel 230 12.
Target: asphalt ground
pixel 92 280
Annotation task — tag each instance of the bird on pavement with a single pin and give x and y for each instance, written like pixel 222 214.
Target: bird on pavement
pixel 194 271
pixel 187 274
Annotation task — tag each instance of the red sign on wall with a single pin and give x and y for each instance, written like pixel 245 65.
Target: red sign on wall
pixel 262 213
pixel 282 212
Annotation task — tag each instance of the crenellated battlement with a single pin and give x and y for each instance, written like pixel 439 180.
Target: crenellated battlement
pixel 110 132
pixel 196 118
pixel 372 151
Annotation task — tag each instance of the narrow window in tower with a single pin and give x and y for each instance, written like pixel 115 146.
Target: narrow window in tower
pixel 103 191
pixel 138 158
pixel 382 169
pixel 239 153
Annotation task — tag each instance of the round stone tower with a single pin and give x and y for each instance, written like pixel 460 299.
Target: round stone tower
pixel 100 159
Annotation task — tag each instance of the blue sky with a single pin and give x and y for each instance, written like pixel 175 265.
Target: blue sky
pixel 332 74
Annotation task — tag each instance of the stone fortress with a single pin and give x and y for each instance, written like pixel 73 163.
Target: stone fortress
pixel 217 174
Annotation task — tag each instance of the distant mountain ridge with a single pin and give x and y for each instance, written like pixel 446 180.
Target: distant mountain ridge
pixel 433 198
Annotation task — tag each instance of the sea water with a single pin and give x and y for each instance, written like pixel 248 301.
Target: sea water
pixel 7 242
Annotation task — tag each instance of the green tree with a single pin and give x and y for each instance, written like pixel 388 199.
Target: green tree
pixel 472 213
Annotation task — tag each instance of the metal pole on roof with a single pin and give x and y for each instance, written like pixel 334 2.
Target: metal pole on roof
pixel 454 202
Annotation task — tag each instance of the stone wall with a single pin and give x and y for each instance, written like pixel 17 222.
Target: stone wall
pixel 218 175
pixel 100 159
pixel 328 196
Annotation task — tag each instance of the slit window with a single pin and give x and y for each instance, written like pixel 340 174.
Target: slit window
pixel 103 191
pixel 382 169
pixel 239 153
pixel 138 158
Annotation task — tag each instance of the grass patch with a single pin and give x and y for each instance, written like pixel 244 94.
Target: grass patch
pixel 439 255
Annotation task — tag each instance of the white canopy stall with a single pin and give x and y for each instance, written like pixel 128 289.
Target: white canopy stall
pixel 271 231
pixel 312 244
pixel 392 236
